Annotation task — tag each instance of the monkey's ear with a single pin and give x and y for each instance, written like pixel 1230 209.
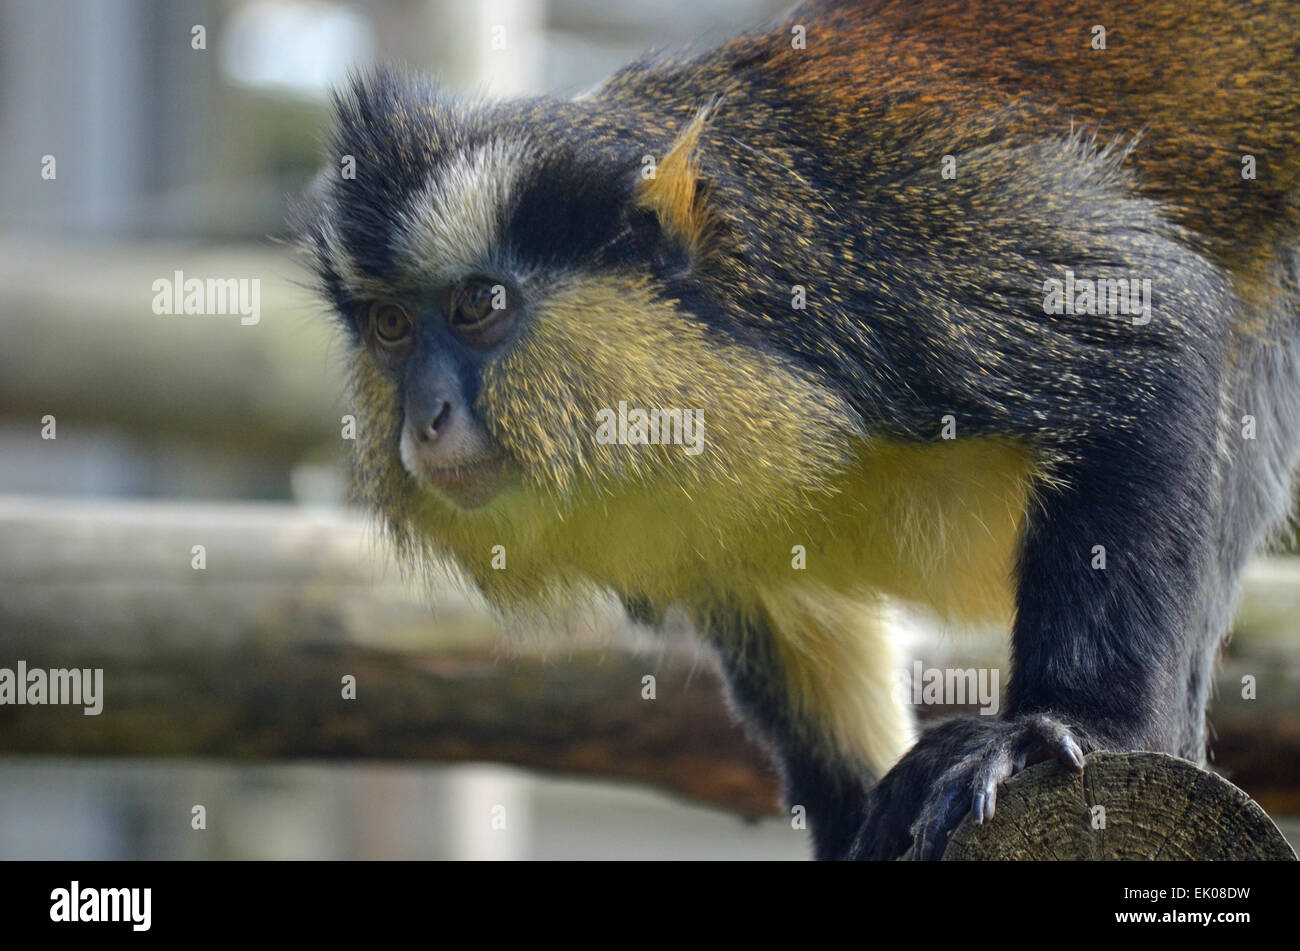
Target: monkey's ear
pixel 678 196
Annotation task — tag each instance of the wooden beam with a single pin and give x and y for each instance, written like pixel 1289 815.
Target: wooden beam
pixel 245 658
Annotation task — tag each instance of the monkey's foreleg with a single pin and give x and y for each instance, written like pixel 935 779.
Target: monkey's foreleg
pixel 1110 567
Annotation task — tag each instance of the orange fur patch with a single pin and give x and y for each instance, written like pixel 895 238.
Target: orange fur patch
pixel 677 194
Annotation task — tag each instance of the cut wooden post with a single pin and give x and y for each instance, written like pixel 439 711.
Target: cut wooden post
pixel 1125 806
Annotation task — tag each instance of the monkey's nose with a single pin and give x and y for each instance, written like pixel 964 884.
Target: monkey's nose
pixel 429 431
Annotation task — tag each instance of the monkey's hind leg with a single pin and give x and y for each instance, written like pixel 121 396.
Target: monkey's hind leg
pixel 814 672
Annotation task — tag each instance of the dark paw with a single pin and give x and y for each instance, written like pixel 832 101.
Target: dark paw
pixel 956 767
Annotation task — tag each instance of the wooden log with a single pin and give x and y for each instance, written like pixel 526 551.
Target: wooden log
pixel 1124 807
pixel 584 715
pixel 243 659
pixel 271 390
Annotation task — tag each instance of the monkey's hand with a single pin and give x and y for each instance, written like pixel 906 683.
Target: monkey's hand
pixel 956 766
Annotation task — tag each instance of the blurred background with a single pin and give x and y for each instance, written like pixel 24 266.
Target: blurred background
pixel 140 139
pixel 168 158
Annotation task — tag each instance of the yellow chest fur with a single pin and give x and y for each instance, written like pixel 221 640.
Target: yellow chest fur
pixel 934 524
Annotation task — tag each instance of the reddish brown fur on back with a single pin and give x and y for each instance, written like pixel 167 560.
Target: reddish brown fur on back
pixel 1203 82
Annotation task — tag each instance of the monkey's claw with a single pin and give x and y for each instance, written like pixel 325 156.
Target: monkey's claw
pixel 954 767
pixel 972 781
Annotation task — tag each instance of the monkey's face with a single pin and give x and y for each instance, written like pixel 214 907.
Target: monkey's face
pixel 537 330
pixel 434 355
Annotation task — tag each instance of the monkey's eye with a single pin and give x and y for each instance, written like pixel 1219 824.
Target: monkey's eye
pixel 389 324
pixel 479 313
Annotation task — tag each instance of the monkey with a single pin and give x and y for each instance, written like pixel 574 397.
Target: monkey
pixel 878 248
